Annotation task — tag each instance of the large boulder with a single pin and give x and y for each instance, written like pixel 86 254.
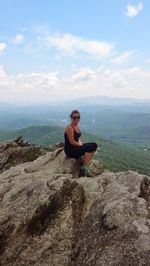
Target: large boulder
pixel 50 215
pixel 116 230
pixel 40 215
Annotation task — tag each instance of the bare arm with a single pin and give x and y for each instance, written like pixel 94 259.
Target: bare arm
pixel 70 134
pixel 80 142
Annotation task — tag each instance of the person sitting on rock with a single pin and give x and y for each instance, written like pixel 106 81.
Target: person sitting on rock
pixel 73 145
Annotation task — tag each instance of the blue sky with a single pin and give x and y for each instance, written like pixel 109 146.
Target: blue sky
pixel 62 49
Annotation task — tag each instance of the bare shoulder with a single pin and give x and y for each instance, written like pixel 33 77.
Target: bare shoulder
pixel 68 128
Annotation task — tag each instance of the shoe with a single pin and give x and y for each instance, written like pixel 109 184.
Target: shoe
pixel 85 171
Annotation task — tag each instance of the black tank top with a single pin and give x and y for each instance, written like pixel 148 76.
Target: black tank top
pixel 68 146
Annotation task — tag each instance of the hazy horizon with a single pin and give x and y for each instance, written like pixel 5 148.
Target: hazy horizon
pixel 109 99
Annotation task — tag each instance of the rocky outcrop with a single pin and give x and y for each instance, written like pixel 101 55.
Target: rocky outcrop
pixel 16 152
pixel 50 215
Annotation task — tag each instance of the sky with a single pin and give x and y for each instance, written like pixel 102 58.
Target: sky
pixel 56 50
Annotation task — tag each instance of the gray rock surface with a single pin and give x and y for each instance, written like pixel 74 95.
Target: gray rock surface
pixel 51 216
pixel 16 152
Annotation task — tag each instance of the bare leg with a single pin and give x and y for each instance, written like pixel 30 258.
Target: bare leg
pixel 87 158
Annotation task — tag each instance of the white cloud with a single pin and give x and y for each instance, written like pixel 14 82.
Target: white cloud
pixel 123 57
pixel 82 82
pixel 18 39
pixel 2 72
pixel 85 74
pixel 19 88
pixel 133 10
pixel 3 47
pixel 69 45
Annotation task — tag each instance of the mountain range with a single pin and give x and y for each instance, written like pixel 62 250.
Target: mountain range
pixel 122 119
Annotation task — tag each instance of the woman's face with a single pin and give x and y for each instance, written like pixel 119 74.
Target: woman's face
pixel 75 118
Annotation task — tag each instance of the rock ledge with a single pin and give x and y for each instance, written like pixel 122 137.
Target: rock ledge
pixel 49 216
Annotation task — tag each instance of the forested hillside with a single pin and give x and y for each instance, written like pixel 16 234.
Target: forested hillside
pixel 115 156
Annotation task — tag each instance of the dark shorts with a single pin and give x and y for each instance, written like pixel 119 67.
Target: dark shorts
pixel 78 151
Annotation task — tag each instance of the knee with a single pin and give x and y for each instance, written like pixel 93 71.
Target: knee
pixel 94 146
pixel 88 148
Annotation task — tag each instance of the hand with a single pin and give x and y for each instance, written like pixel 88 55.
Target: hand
pixel 80 144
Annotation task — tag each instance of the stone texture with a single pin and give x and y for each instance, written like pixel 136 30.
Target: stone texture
pixel 16 152
pixel 50 215
pixel 116 230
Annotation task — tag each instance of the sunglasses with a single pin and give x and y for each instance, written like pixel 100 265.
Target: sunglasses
pixel 76 117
